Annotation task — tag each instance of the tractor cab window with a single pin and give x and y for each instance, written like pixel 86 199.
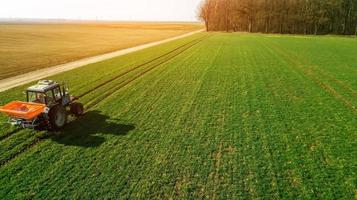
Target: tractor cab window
pixel 36 97
pixel 39 97
pixel 50 99
pixel 57 94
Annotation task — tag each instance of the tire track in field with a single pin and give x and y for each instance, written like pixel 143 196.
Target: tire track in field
pixel 293 59
pixel 122 84
pixel 127 82
pixel 140 66
pixel 28 137
pixel 316 69
pixel 8 134
pixel 332 78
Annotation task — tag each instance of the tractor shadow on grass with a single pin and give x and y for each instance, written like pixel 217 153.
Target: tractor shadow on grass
pixel 88 130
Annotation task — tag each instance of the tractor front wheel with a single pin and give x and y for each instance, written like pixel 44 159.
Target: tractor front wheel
pixel 57 117
pixel 77 109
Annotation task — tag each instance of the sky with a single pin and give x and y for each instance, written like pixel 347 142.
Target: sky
pixel 132 10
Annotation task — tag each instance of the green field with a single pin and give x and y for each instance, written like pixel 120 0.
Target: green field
pixel 235 116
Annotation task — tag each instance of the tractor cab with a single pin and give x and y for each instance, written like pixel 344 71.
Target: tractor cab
pixel 47 92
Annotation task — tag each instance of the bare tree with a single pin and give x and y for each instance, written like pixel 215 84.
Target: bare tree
pixel 204 13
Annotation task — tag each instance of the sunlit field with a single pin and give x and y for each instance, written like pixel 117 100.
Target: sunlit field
pixel 27 47
pixel 211 116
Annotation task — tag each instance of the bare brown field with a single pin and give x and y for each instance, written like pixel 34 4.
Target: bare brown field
pixel 28 47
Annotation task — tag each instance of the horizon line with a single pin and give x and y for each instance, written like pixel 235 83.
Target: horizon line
pixel 24 19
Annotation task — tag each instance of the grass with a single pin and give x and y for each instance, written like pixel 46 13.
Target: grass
pixel 27 47
pixel 238 116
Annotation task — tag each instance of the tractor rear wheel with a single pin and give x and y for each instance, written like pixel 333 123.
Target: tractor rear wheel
pixel 58 117
pixel 77 109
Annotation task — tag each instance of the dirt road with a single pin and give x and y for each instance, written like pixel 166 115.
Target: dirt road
pixel 8 83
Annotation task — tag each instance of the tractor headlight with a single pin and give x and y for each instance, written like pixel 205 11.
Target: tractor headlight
pixel 46 110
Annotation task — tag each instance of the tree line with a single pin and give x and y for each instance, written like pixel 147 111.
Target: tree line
pixel 281 16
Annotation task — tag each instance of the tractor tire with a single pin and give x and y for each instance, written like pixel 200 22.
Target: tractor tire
pixel 57 117
pixel 77 109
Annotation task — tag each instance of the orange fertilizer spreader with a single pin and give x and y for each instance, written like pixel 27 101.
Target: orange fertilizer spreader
pixel 23 110
pixel 45 107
